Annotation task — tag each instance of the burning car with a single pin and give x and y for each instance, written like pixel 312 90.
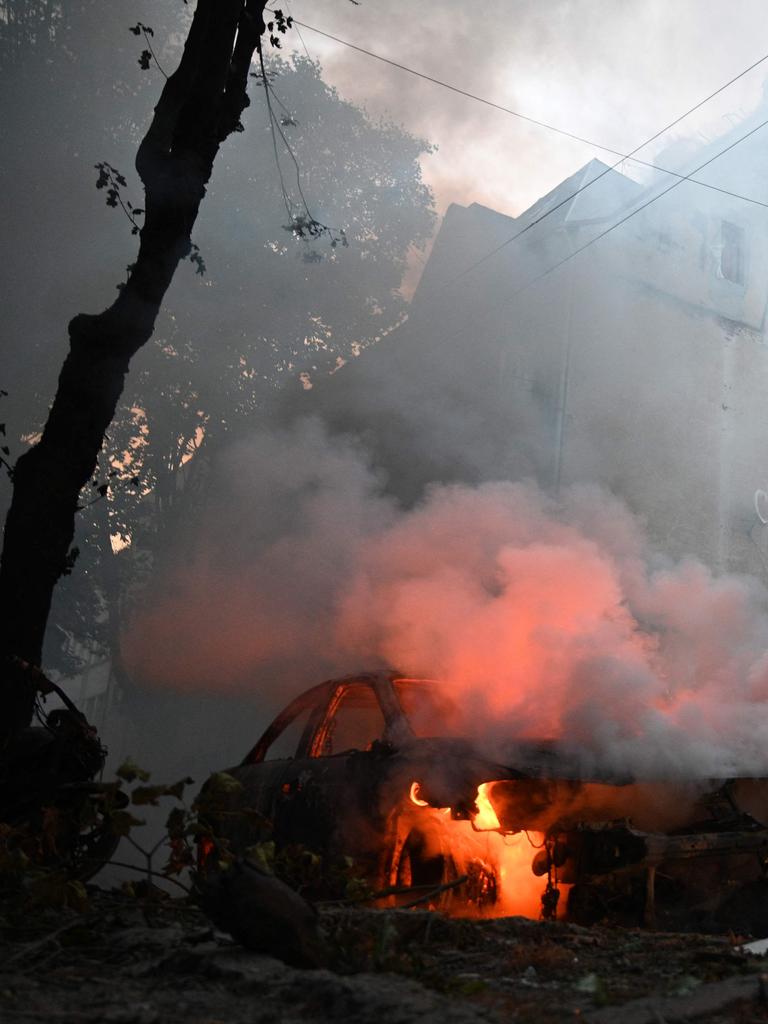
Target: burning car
pixel 373 767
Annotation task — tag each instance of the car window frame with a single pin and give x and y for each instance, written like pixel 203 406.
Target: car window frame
pixel 323 701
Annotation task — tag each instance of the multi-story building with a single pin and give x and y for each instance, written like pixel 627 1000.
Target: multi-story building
pixel 639 362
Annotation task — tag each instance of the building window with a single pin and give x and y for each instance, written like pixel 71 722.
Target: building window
pixel 732 252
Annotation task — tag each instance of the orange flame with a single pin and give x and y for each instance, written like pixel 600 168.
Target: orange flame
pixel 414 795
pixel 498 864
pixel 486 818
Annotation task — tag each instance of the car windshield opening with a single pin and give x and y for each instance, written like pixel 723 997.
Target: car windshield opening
pixel 429 708
pixel 356 723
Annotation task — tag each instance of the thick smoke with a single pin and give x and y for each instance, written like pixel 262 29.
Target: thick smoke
pixel 248 601
pixel 542 618
pixel 550 60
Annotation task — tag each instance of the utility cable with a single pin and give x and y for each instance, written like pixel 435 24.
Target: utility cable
pixel 695 181
pixel 298 30
pixel 272 120
pixel 560 131
pixel 525 117
pixel 291 154
pixel 602 234
pixel 632 213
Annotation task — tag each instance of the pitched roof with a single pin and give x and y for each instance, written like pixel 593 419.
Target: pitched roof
pixel 611 191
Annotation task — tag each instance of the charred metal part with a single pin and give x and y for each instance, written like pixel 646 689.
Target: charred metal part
pixel 595 851
pixel 649 917
pixel 430 896
pixel 600 849
pixel 41 760
pixel 550 900
pixel 481 888
pixel 555 853
pixel 46 785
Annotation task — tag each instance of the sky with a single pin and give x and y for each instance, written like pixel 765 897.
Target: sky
pixel 614 71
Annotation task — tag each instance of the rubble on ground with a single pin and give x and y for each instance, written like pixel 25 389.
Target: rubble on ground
pixel 133 958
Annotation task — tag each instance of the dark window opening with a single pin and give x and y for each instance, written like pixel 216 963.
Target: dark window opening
pixel 732 253
pixel 286 744
pixel 358 721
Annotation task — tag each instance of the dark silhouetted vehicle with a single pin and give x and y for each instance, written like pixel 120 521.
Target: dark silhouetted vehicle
pixel 378 770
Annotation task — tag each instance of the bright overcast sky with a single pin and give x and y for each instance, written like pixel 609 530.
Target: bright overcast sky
pixel 615 71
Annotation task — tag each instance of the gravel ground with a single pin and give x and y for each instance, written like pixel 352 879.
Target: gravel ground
pixel 132 960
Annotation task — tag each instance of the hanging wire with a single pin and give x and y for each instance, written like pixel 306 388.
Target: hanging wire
pixel 298 30
pixel 536 846
pixel 291 154
pixel 560 131
pixel 286 200
pixel 303 225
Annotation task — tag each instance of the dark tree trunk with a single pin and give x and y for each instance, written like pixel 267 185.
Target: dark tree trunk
pixel 199 107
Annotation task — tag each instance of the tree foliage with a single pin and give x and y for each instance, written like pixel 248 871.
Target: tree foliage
pixel 274 305
pixel 272 308
pixel 200 106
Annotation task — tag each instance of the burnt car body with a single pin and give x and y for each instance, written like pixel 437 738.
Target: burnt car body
pixel 349 770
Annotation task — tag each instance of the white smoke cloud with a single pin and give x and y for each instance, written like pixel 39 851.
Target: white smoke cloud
pixel 542 618
pixel 614 73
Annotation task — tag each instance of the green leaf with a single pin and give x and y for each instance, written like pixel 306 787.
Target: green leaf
pixel 121 822
pixel 177 789
pixel 129 771
pixel 222 784
pixel 54 889
pixel 176 823
pixel 143 795
pixel 262 856
pixel 151 794
pixel 197 829
pixel 77 895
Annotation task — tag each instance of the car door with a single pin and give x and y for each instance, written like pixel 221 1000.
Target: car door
pixel 328 796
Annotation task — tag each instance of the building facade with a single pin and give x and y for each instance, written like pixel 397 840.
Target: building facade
pixel 613 333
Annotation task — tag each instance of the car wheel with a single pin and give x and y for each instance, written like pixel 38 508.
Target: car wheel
pixel 423 868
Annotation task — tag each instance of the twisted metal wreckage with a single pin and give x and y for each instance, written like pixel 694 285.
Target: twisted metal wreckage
pixel 369 771
pixel 369 767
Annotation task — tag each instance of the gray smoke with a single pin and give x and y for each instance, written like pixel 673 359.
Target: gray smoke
pixel 542 618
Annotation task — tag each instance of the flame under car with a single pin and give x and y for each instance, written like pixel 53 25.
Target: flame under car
pixel 372 769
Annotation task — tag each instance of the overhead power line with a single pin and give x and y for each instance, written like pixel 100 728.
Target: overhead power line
pixel 561 131
pixel 298 30
pixel 510 298
pixel 454 88
pixel 632 213
pixel 525 117
pixel 694 181
pixel 679 178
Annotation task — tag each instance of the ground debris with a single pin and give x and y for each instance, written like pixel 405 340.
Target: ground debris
pixel 263 914
pixel 134 961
